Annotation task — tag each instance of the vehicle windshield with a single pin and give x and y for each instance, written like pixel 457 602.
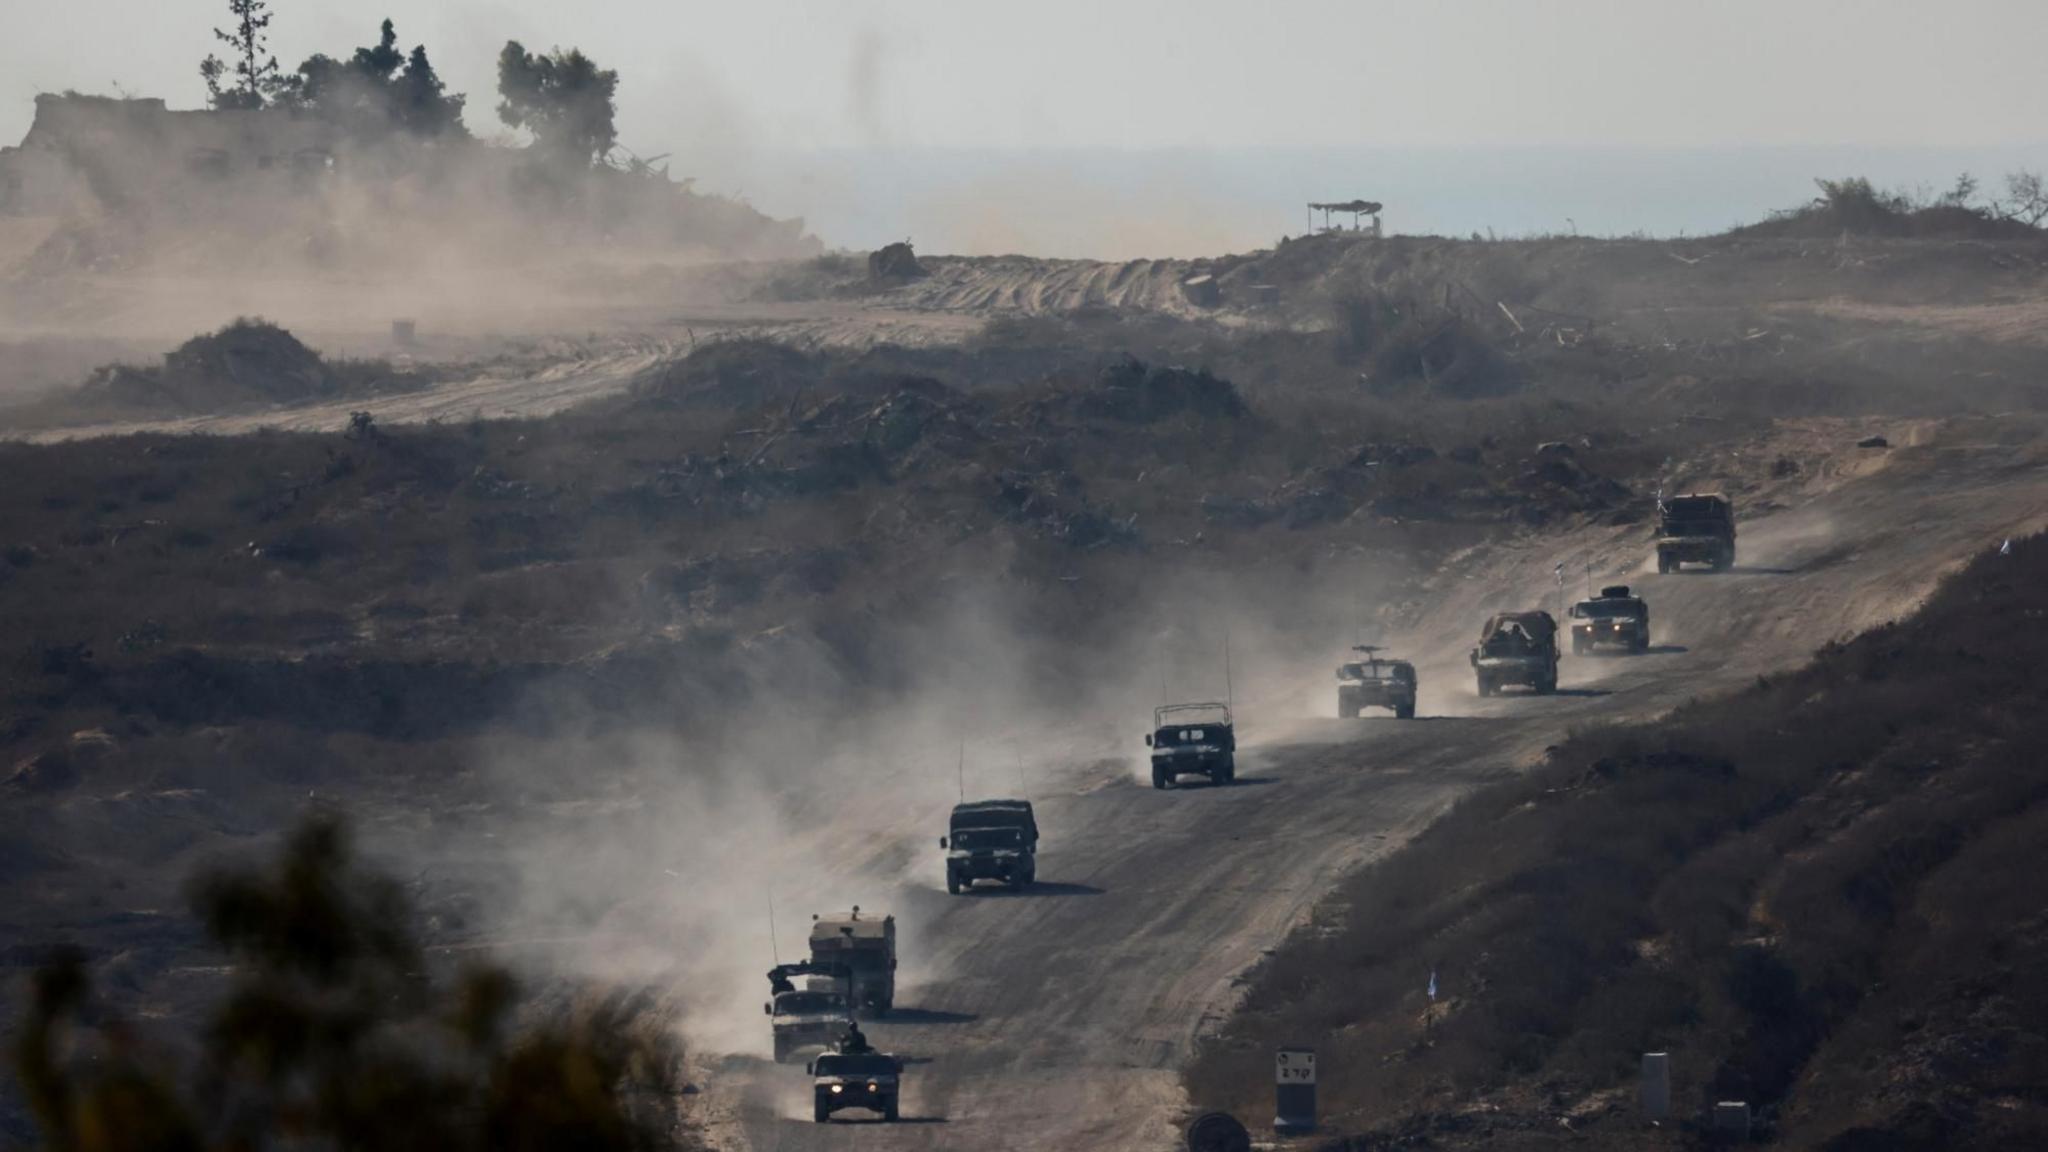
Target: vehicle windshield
pixel 855 1064
pixel 1607 609
pixel 1169 737
pixel 988 838
pixel 1694 508
pixel 808 1003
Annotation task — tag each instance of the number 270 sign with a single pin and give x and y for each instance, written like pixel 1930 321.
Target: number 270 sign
pixel 1294 1066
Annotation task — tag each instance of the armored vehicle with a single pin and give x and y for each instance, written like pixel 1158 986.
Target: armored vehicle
pixel 991 840
pixel 810 1017
pixel 1695 529
pixel 865 946
pixel 855 1079
pixel 1517 648
pixel 1612 619
pixel 1376 682
pixel 1192 740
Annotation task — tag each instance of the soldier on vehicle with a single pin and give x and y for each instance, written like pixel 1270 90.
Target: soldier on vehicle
pixel 855 1041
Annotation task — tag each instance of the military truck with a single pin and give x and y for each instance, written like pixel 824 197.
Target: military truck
pixel 1517 648
pixel 1375 682
pixel 855 1079
pixel 1695 529
pixel 991 840
pixel 814 1016
pixel 865 946
pixel 1614 619
pixel 1192 740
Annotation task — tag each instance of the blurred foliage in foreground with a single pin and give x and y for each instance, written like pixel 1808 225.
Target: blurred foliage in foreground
pixel 335 1035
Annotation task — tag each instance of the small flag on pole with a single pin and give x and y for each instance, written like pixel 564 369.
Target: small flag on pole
pixel 2005 549
pixel 1432 985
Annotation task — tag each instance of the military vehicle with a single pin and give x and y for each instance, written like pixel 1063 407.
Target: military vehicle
pixel 1192 740
pixel 1375 682
pixel 991 840
pixel 855 1079
pixel 1612 619
pixel 1695 529
pixel 866 948
pixel 811 1017
pixel 1517 648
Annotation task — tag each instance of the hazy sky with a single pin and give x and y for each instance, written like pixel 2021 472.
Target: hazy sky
pixel 1159 73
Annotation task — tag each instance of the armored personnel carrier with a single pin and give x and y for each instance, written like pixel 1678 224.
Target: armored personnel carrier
pixel 991 840
pixel 1375 682
pixel 855 1079
pixel 1695 529
pixel 1517 648
pixel 865 946
pixel 814 1016
pixel 1613 619
pixel 1192 740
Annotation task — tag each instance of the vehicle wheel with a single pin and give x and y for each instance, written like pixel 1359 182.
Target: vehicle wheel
pixel 1219 776
pixel 1546 686
pixel 1159 778
pixel 1579 646
pixel 1404 712
pixel 952 884
pixel 890 1114
pixel 1346 713
pixel 1663 564
pixel 781 1052
pixel 820 1111
pixel 1485 689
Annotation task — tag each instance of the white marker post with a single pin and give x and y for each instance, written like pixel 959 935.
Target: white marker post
pixel 1294 1092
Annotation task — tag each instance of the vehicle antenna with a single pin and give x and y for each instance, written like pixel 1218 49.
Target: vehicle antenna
pixel 1589 577
pixel 1229 691
pixel 963 770
pixel 1022 789
pixel 774 948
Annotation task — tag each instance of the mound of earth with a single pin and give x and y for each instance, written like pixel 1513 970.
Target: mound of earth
pixel 249 363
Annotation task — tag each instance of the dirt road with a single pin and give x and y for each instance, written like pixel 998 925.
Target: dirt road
pixel 1063 1015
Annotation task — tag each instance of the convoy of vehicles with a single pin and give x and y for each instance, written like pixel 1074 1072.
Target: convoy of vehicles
pixel 1613 619
pixel 1695 529
pixel 991 840
pixel 852 966
pixel 1375 682
pixel 1192 740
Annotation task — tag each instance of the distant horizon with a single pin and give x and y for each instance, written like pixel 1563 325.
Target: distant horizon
pixel 1171 202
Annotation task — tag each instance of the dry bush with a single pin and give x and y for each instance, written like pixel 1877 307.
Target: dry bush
pixel 335 1034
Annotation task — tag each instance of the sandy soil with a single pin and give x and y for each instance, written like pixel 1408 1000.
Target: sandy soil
pixel 1059 1018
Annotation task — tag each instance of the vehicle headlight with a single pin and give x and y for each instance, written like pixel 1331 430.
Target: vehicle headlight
pixel 873 1087
pixel 838 1088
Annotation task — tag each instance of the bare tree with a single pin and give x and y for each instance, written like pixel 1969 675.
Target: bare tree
pixel 253 78
pixel 2026 199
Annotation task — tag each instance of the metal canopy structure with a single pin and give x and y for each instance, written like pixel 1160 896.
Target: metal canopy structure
pixel 1359 209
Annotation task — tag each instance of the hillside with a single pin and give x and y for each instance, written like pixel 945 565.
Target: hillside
pixel 1807 893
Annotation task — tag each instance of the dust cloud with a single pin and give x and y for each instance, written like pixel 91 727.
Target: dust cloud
pixel 641 854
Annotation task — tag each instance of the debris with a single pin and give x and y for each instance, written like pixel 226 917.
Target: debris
pixel 1873 442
